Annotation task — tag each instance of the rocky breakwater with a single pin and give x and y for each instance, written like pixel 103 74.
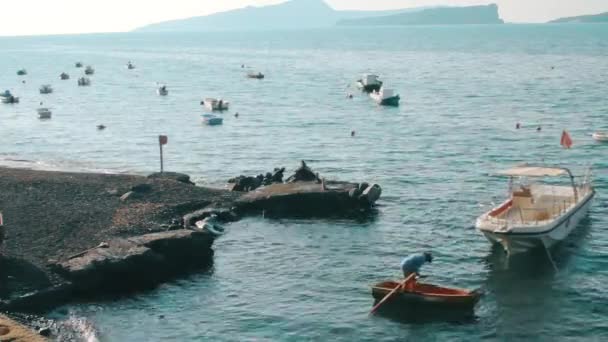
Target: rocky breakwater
pixel 305 194
pixel 84 235
pixel 78 234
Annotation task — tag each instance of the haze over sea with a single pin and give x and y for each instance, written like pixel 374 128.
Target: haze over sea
pixel 463 89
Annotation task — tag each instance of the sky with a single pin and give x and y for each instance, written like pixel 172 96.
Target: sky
pixel 34 17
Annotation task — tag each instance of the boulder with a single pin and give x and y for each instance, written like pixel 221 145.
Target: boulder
pixel 303 174
pixel 142 188
pixel 137 262
pixel 371 194
pixel 176 176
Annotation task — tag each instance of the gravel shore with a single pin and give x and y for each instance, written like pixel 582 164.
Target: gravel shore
pixel 50 216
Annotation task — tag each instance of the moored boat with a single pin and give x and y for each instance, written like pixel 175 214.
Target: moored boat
pixel 212 120
pixel 130 65
pixel 84 81
pixel 46 89
pixel 420 295
pixel 369 83
pixel 78 64
pixel 386 97
pixel 256 75
pixel 162 90
pixel 8 97
pixel 44 113
pixel 212 104
pixel 89 70
pixel 22 72
pixel 64 76
pixel 538 214
pixel 600 136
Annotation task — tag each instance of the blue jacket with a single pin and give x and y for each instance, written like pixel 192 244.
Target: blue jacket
pixel 413 263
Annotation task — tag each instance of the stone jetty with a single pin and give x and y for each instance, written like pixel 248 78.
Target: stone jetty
pixel 72 235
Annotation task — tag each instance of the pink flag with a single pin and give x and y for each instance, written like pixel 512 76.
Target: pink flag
pixel 566 141
pixel 1 220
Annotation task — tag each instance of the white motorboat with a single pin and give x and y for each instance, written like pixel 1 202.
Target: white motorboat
pixel 212 104
pixel 84 81
pixel 89 70
pixel 64 76
pixel 8 97
pixel 385 97
pixel 162 90
pixel 212 120
pixel 600 136
pixel 44 113
pixel 369 83
pixel 46 89
pixel 537 214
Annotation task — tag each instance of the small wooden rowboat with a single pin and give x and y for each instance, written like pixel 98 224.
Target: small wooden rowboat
pixel 426 295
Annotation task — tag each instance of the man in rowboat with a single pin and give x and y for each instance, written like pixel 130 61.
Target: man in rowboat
pixel 412 264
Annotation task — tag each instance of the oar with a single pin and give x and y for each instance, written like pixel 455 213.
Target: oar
pixel 377 306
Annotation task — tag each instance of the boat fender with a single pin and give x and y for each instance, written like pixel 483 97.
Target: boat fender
pixel 371 193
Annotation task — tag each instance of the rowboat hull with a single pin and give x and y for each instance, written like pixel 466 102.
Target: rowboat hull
pixel 426 296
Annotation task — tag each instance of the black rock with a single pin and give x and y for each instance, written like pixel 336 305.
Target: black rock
pixel 180 177
pixel 142 188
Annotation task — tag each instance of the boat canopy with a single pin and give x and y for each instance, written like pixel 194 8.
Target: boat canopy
pixel 533 171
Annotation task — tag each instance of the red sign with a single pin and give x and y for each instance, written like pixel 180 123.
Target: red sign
pixel 162 139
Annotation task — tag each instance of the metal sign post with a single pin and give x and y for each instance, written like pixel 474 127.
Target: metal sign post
pixel 162 140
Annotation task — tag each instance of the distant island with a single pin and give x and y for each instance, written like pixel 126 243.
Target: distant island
pixel 299 14
pixel 594 18
pixel 434 16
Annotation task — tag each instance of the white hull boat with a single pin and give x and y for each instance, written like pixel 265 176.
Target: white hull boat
pixel 537 215
pixel 7 97
pixel 212 104
pixel 386 97
pixel 44 113
pixel 369 83
pixel 600 136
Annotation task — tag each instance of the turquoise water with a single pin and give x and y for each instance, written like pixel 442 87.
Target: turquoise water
pixel 463 90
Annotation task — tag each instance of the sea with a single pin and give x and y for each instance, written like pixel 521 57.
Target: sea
pixel 463 90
